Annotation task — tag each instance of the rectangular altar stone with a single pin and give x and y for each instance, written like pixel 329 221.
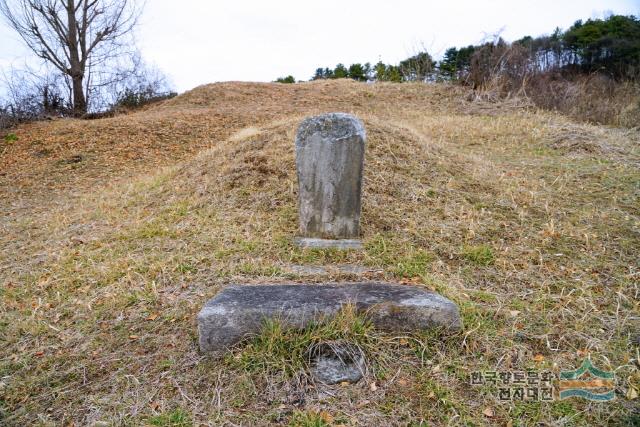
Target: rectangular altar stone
pixel 240 310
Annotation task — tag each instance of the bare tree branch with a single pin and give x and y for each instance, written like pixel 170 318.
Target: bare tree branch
pixel 70 34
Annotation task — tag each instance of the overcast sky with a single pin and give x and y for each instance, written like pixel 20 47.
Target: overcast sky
pixel 196 42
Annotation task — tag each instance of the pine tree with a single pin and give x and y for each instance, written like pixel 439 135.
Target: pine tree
pixel 340 72
pixel 356 72
pixel 319 74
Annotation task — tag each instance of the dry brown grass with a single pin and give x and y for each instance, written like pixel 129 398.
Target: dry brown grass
pixel 588 98
pixel 529 221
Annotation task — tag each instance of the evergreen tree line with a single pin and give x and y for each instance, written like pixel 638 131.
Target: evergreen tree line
pixel 419 67
pixel 608 46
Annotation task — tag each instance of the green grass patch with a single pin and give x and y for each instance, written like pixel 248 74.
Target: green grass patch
pixel 186 267
pixel 308 419
pixel 176 418
pixel 318 256
pixel 10 137
pixel 427 343
pixel 382 250
pixel 438 402
pixel 278 349
pixel 150 230
pixel 480 320
pixel 481 255
pixel 483 296
pixel 526 413
pixel 258 269
pixel 531 413
pixel 415 264
pixel 400 259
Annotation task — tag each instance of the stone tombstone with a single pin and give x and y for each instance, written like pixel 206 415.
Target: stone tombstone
pixel 330 161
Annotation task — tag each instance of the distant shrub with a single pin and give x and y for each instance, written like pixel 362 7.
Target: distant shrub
pixel 340 72
pixel 596 98
pixel 288 79
pixel 358 72
pixel 30 101
pixel 135 98
pixel 630 115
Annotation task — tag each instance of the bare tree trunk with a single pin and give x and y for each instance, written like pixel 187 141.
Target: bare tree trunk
pixel 79 100
pixel 76 66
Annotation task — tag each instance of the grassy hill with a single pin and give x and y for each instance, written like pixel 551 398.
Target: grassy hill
pixel 116 231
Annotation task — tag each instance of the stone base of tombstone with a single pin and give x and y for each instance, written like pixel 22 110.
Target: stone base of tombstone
pixel 310 242
pixel 239 311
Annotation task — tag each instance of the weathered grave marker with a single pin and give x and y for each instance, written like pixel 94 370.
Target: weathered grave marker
pixel 330 161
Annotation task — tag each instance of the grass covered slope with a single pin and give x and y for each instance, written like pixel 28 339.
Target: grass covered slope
pixel 530 222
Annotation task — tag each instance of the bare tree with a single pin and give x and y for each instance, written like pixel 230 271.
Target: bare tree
pixel 75 36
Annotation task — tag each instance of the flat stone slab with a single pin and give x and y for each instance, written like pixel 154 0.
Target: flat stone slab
pixel 310 242
pixel 315 270
pixel 240 310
